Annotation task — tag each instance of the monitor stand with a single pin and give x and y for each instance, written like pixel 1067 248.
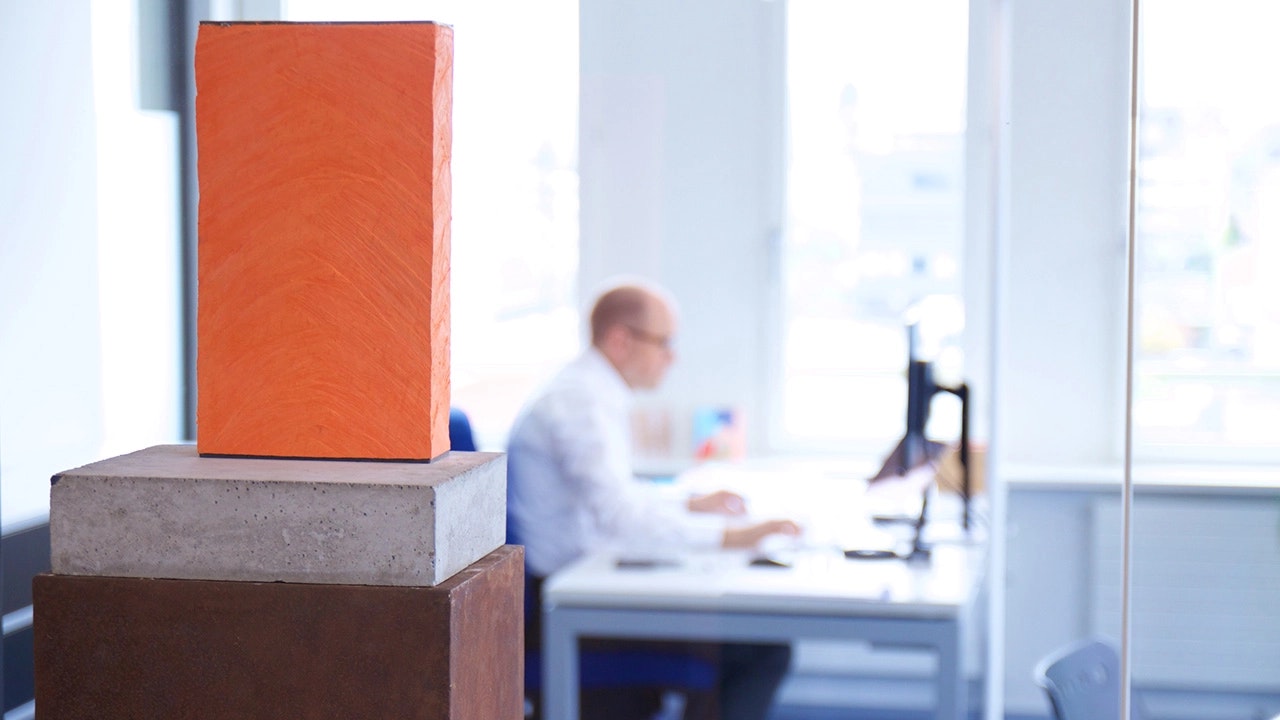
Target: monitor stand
pixel 918 552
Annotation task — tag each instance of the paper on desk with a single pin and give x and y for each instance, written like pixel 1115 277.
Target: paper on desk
pixel 815 575
pixel 834 510
pixel 853 532
pixel 898 496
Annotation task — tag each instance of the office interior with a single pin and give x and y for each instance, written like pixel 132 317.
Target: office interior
pixel 652 139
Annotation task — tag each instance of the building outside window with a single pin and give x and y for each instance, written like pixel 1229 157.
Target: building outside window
pixel 876 95
pixel 1208 233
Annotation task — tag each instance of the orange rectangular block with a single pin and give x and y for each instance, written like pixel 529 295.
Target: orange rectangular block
pixel 325 194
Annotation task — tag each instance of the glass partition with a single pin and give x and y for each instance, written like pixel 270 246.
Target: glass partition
pixel 1205 640
pixel 1208 232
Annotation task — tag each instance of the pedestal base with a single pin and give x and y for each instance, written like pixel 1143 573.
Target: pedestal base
pixel 109 647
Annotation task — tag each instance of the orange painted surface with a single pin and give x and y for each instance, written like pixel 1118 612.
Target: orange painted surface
pixel 323 300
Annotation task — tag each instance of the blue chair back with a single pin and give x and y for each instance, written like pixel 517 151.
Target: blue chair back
pixel 1082 681
pixel 460 437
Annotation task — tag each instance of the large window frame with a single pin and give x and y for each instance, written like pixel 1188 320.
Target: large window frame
pixel 947 277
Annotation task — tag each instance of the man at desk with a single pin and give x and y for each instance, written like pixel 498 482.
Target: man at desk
pixel 571 488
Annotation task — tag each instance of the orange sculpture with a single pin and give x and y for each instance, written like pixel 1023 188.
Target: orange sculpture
pixel 323 300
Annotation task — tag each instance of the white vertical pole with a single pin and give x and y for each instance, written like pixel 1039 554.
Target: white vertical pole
pixel 1127 501
pixel 998 197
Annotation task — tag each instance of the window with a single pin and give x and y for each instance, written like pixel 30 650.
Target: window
pixel 876 122
pixel 1207 365
pixel 515 192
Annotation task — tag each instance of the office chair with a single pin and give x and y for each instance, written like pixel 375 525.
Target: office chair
pixel 599 669
pixel 460 437
pixel 1082 681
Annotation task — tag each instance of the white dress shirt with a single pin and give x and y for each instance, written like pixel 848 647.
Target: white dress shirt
pixel 571 488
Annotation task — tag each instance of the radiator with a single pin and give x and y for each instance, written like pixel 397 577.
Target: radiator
pixel 1206 589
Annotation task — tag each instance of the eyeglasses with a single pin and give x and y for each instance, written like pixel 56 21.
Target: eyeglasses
pixel 662 341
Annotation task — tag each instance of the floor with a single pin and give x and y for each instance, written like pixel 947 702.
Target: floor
pixel 796 712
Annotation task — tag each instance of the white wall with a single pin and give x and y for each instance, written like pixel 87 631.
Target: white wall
pixel 1058 383
pixel 51 403
pixel 139 253
pixel 1061 390
pixel 680 176
pixel 88 253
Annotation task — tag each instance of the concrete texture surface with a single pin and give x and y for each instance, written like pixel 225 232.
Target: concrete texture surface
pixel 166 512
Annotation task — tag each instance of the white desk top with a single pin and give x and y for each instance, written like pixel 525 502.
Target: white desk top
pixel 833 505
pixel 816 582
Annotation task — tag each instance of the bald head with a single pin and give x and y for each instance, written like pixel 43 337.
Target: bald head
pixel 629 305
pixel 633 325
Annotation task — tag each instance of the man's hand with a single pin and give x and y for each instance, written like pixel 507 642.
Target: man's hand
pixel 750 535
pixel 721 502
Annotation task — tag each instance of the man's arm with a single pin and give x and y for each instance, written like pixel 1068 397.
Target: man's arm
pixel 720 502
pixel 749 536
pixel 594 446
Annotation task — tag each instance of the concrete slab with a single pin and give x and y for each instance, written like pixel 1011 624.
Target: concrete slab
pixel 166 512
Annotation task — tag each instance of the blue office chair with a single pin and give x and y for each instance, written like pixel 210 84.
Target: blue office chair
pixel 630 667
pixel 460 437
pixel 1082 681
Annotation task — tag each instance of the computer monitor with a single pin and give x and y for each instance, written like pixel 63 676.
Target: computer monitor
pixel 915 448
pixel 921 388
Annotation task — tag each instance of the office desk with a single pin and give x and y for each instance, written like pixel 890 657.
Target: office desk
pixel 718 596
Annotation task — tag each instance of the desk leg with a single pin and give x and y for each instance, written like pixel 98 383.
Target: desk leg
pixel 953 702
pixel 559 668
